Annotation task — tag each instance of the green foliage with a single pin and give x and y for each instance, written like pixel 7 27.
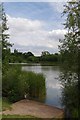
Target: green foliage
pixel 50 58
pixel 10 82
pixel 19 57
pixel 4 28
pixel 44 53
pixel 3 39
pixel 6 104
pixel 36 86
pixel 17 83
pixel 70 52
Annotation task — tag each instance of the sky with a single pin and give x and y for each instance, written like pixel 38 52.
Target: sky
pixel 35 26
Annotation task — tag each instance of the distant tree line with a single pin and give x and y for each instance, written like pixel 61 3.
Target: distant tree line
pixel 20 57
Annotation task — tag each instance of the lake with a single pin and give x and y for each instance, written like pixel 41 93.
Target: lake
pixel 53 90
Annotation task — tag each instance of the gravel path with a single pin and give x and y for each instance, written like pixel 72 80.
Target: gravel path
pixel 33 108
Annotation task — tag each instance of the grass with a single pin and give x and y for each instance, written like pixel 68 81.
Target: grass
pixel 24 117
pixel 20 117
pixel 0 104
pixel 17 116
pixel 6 104
pixel 0 108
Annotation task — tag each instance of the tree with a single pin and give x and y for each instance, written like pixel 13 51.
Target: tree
pixel 4 36
pixel 15 51
pixel 4 43
pixel 45 53
pixel 70 51
pixel 29 54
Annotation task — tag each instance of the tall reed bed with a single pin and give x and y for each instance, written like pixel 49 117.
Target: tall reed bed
pixel 16 84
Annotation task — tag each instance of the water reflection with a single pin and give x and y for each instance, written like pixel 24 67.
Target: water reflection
pixel 51 73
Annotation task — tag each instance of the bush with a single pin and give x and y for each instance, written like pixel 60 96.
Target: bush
pixel 17 83
pixel 10 83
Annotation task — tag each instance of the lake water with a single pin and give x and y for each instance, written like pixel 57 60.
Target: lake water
pixel 51 73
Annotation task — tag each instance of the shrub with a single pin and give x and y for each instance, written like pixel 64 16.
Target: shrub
pixel 17 83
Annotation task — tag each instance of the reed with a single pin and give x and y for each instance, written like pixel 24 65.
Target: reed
pixel 18 83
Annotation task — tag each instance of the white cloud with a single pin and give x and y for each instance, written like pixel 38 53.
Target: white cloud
pixel 27 33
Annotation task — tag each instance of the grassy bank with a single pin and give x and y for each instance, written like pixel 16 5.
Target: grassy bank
pixel 27 117
pixel 17 116
pixel 6 104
